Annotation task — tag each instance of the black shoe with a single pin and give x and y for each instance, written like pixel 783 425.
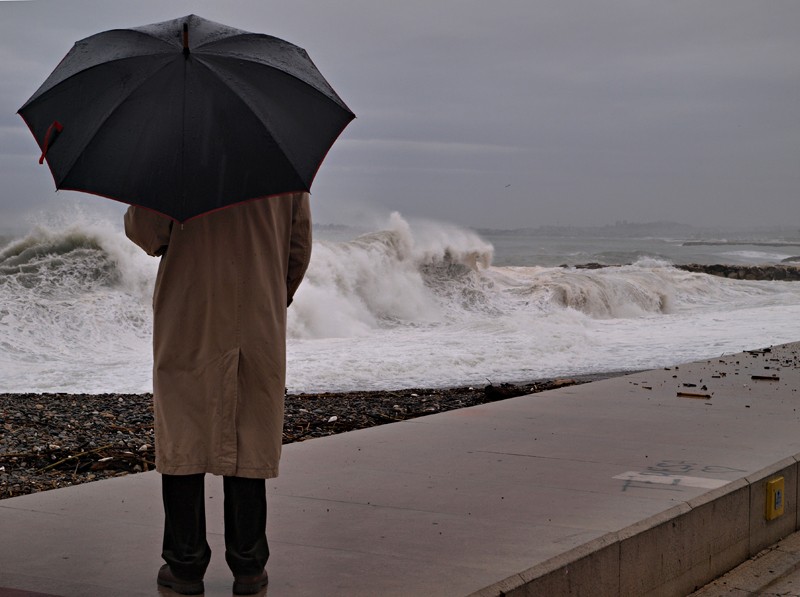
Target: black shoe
pixel 184 587
pixel 250 585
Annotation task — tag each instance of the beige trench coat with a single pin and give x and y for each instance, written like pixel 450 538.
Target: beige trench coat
pixel 219 332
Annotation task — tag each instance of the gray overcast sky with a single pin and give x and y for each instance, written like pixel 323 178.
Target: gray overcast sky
pixel 591 110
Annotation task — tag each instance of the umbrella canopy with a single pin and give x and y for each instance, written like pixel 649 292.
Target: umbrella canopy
pixel 185 117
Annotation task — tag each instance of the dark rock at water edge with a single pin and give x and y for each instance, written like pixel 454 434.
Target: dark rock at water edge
pixel 789 273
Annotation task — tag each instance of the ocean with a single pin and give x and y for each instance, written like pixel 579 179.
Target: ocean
pixel 410 304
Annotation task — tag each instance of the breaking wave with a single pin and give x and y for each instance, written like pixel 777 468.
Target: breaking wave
pixel 74 310
pixel 417 303
pixel 438 275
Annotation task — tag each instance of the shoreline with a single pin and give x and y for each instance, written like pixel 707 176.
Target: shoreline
pixel 54 440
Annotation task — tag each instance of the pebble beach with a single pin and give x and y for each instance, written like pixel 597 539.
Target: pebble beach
pixel 48 441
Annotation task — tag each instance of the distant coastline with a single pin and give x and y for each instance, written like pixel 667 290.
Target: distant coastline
pixel 783 235
pixel 756 235
pixel 752 243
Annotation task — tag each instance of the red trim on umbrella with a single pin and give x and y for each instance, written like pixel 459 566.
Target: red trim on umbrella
pixel 55 126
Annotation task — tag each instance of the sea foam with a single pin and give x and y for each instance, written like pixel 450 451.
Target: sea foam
pixel 414 304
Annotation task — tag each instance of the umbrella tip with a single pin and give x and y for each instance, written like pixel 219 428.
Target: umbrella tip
pixel 186 39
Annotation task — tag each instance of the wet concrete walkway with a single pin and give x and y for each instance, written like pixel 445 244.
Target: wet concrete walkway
pixel 653 483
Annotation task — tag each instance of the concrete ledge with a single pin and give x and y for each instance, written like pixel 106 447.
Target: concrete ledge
pixel 763 532
pixel 688 549
pixel 565 574
pixel 671 553
pixel 774 571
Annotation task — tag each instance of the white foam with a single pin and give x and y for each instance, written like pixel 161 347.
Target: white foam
pixel 755 257
pixel 376 280
pixel 417 304
pixel 537 322
pixel 75 311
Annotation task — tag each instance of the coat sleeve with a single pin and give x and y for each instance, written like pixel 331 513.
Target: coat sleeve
pixel 300 244
pixel 148 229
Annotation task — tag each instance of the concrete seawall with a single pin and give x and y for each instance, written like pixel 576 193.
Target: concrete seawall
pixel 649 484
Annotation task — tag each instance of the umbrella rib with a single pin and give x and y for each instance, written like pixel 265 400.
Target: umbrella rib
pixel 210 48
pixel 102 121
pixel 53 81
pixel 252 108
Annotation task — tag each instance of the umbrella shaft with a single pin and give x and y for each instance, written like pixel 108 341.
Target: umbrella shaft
pixel 186 39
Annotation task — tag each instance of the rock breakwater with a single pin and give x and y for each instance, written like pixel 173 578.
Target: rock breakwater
pixel 746 272
pixel 790 273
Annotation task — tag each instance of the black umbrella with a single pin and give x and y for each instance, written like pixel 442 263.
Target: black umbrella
pixel 185 117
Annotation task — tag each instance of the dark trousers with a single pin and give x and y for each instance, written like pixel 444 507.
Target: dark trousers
pixel 185 548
